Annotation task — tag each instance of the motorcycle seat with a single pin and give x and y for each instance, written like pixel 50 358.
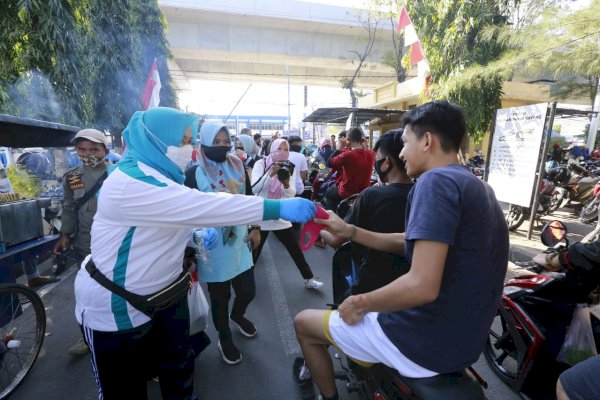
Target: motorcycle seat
pixel 459 385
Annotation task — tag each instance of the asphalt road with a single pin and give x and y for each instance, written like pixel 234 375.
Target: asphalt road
pixel 265 372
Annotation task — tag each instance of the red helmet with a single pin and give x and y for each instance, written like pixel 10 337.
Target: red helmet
pixel 596 153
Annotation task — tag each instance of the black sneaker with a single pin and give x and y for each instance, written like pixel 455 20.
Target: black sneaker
pixel 246 327
pixel 300 371
pixel 231 354
pixel 302 377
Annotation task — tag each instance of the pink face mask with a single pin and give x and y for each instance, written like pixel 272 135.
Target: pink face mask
pixel 280 155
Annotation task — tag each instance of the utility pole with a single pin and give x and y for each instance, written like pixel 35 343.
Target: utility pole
pixel 594 121
pixel 287 72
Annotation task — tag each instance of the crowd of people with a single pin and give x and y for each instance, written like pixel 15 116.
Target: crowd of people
pixel 421 246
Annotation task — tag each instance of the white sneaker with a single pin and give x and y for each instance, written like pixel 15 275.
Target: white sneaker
pixel 312 283
pixel 79 348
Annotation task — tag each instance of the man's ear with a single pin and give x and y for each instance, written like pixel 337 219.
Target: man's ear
pixel 427 141
pixel 106 150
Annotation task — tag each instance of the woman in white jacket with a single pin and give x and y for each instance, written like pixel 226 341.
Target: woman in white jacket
pixel 265 183
pixel 145 218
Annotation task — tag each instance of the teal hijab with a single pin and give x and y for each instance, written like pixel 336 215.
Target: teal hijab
pixel 149 133
pixel 248 143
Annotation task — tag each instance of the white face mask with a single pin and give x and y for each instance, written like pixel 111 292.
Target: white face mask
pixel 180 155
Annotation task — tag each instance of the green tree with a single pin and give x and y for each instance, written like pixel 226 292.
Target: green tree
pixel 81 62
pixel 39 65
pixel 450 33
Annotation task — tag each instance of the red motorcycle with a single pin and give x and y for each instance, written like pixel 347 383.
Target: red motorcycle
pixel 534 314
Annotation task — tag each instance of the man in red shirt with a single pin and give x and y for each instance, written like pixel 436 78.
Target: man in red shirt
pixel 355 165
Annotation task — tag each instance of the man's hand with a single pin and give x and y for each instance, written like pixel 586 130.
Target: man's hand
pixel 286 182
pixel 550 263
pixel 353 309
pixel 254 238
pixel 335 225
pixel 597 191
pixel 63 244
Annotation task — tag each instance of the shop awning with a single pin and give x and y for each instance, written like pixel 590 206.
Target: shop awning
pixel 339 115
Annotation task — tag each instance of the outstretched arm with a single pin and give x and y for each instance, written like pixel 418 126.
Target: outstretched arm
pixel 386 242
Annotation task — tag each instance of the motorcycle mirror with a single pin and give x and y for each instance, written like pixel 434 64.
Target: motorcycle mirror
pixel 553 233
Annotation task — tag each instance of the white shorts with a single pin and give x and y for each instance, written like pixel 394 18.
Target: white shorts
pixel 367 344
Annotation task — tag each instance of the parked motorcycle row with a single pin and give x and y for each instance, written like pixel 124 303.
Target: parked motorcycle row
pixel 569 185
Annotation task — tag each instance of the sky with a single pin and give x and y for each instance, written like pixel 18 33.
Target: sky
pixel 261 99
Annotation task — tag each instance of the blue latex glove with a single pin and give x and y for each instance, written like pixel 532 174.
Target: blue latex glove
pixel 208 236
pixel 297 210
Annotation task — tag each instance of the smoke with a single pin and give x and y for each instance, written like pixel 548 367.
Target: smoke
pixel 33 96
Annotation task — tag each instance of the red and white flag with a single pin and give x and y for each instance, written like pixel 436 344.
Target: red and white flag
pixel 151 96
pixel 417 55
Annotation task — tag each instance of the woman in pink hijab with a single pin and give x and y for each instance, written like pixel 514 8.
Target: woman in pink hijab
pixel 268 182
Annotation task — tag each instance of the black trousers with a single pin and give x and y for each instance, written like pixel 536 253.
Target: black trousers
pixel 286 237
pixel 332 198
pixel 220 293
pixel 123 361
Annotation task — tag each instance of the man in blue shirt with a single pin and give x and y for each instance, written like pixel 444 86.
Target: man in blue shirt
pixel 435 318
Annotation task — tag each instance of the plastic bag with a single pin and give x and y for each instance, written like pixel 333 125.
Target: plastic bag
pixel 198 307
pixel 579 342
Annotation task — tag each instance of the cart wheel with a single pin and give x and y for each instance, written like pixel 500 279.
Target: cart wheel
pixel 22 329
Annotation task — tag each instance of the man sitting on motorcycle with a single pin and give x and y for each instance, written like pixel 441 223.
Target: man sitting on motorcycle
pixel 380 208
pixel 435 318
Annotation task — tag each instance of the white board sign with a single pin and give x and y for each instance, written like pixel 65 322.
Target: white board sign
pixel 516 147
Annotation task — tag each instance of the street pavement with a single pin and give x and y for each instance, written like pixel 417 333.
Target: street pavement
pixel 265 372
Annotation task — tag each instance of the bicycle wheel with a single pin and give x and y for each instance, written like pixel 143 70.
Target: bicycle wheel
pixel 22 329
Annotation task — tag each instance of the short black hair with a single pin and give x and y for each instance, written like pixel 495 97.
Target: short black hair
pixel 342 134
pixel 294 139
pixel 441 118
pixel 257 136
pixel 355 135
pixel 391 145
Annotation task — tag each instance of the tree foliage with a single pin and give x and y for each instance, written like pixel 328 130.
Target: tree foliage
pixel 560 45
pixel 80 62
pixel 450 33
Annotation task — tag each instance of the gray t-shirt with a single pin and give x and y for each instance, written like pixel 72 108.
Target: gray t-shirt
pixel 451 205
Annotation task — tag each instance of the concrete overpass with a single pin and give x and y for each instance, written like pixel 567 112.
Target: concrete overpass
pixel 254 41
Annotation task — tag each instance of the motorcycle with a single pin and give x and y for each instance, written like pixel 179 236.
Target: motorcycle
pixel 589 213
pixel 529 329
pixel 549 200
pixel 381 382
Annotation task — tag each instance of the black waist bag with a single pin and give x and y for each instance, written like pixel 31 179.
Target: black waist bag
pixel 148 304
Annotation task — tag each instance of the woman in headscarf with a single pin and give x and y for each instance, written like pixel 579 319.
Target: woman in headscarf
pixel 246 150
pixel 144 220
pixel 230 263
pixel 267 184
pixel 324 151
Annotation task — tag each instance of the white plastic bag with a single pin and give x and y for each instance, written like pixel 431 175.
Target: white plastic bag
pixel 579 342
pixel 198 307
